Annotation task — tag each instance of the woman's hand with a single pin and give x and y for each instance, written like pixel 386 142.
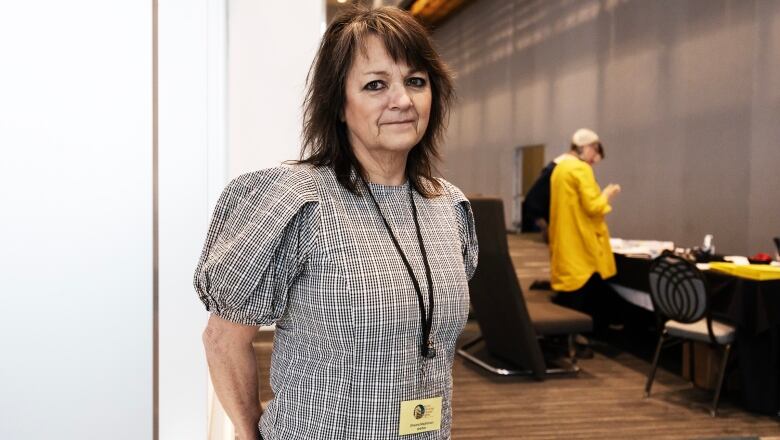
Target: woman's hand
pixel 611 191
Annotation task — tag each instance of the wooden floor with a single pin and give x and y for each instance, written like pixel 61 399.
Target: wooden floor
pixel 604 401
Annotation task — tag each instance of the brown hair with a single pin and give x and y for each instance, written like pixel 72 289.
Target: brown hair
pixel 325 139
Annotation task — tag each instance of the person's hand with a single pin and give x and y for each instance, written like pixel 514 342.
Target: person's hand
pixel 611 191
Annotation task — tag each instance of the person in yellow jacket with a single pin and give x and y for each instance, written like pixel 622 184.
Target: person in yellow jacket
pixel 580 254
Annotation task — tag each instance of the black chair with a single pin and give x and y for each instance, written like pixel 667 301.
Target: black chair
pixel 510 327
pixel 679 294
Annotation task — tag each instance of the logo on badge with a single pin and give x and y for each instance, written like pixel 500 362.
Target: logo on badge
pixel 419 411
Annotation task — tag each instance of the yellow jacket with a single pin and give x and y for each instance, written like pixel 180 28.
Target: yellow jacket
pixel 579 239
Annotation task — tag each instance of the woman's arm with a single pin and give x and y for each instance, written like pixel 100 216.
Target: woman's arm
pixel 593 200
pixel 233 371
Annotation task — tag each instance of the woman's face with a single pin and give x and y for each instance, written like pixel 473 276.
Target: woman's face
pixel 590 154
pixel 387 103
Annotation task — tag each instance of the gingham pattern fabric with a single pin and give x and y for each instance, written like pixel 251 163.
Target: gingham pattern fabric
pixel 292 246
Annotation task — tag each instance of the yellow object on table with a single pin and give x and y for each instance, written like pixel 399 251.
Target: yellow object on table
pixel 758 272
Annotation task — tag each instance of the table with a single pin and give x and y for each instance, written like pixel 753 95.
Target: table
pixel 753 306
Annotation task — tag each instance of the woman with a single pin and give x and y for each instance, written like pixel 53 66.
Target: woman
pixel 357 253
pixel 580 254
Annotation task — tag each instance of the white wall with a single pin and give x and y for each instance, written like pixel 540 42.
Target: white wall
pixel 192 171
pixel 271 46
pixel 76 191
pixel 685 94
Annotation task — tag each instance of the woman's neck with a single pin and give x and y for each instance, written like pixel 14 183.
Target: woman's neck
pixel 383 167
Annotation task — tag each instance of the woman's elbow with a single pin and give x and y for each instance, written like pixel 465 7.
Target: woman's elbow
pixel 221 335
pixel 212 337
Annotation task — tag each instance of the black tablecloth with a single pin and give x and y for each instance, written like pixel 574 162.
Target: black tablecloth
pixel 754 307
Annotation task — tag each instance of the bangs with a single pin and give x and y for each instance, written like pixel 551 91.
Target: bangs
pixel 403 45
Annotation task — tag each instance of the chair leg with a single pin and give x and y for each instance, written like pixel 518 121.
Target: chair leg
pixel 692 361
pixel 714 410
pixel 651 375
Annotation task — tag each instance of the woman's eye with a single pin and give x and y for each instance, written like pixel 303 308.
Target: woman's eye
pixel 374 85
pixel 416 82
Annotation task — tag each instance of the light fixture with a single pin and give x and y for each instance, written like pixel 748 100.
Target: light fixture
pixel 341 1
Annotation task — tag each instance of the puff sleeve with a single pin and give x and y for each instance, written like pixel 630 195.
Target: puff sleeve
pixel 467 233
pixel 263 229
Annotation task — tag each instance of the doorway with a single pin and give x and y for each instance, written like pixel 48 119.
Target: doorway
pixel 528 163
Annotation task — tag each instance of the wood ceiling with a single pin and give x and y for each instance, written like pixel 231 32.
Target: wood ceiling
pixel 434 12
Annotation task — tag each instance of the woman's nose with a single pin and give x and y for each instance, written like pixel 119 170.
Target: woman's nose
pixel 399 97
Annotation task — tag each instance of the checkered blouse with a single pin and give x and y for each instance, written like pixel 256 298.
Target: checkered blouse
pixel 291 246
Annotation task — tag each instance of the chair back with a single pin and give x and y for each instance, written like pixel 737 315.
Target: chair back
pixel 495 293
pixel 678 289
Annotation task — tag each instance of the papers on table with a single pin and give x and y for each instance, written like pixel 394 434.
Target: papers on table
pixel 648 248
pixel 737 259
pixel 758 272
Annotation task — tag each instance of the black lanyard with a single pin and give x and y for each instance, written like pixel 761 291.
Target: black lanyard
pixel 426 346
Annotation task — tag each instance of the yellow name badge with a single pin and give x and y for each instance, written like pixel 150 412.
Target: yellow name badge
pixel 420 416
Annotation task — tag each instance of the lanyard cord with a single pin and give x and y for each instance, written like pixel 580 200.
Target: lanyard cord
pixel 426 347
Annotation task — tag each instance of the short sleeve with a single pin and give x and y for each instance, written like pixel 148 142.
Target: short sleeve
pixel 259 239
pixel 466 230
